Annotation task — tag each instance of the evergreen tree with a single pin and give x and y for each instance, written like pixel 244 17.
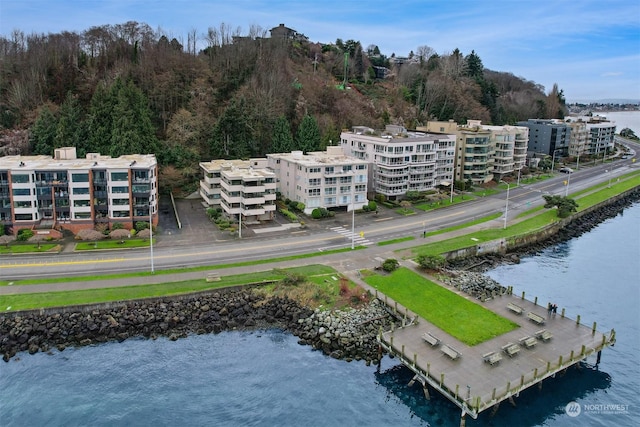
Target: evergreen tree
pixel 474 67
pixel 132 131
pixel 281 140
pixel 100 120
pixel 70 131
pixel 232 135
pixel 308 137
pixel 43 132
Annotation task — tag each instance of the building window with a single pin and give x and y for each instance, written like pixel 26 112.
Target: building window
pixel 19 178
pixel 119 176
pixel 330 190
pixel 22 204
pixel 80 190
pixel 361 188
pixel 330 181
pixel 328 169
pixel 80 203
pixel 361 167
pixel 24 217
pixel 79 177
pixel 346 168
pixel 120 190
pixel 314 182
pixel 314 192
pixel 314 170
pixel 345 189
pixel 21 192
pixel 82 215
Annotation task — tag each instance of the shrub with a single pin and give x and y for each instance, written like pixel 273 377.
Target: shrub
pixel 116 226
pixel 373 206
pixel 213 213
pixel 24 235
pixel 300 206
pixel 290 215
pixel 431 262
pixel 141 225
pixel 390 265
pixel 316 214
pixel 1 229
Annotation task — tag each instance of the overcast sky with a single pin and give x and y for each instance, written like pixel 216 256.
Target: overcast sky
pixel 590 48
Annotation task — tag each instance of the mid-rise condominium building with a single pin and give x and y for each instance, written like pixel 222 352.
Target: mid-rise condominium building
pixel 483 152
pixel 243 189
pixel 321 179
pixel 402 160
pixel 599 134
pixel 547 136
pixel 74 194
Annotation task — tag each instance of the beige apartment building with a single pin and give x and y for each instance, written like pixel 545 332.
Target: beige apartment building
pixel 485 153
pixel 321 179
pixel 401 160
pixel 243 189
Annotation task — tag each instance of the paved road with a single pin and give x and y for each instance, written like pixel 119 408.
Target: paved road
pixel 198 243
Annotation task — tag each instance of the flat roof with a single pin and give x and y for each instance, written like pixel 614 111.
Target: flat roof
pixel 96 161
pixel 318 158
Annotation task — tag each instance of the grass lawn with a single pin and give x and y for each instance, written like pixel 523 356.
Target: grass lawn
pixel 30 247
pixel 398 240
pixel 465 320
pixel 460 198
pixel 112 244
pixel 405 211
pixel 91 296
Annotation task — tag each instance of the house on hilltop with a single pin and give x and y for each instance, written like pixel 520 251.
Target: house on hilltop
pixel 286 33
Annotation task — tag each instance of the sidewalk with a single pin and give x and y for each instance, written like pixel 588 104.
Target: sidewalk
pixel 348 263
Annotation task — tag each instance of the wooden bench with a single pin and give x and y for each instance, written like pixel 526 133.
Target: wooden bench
pixel 544 335
pixel 492 357
pixel 515 308
pixel 450 351
pixel 430 339
pixel 528 341
pixel 511 349
pixel 535 318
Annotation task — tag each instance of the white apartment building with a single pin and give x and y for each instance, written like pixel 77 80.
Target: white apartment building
pixel 598 132
pixel 578 138
pixel 321 179
pixel 242 188
pixel 71 193
pixel 402 160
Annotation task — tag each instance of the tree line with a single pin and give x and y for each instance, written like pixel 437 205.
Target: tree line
pixel 125 88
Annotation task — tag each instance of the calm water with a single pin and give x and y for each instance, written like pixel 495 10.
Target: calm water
pixel 625 119
pixel 266 379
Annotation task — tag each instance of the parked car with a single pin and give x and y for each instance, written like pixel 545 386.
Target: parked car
pixel 566 170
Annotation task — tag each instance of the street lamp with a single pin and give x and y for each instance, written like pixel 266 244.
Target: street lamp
pixel 609 172
pixel 506 207
pixel 451 199
pixel 519 169
pixel 151 234
pixel 566 190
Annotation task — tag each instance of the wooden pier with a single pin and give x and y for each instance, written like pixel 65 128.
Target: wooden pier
pixel 479 377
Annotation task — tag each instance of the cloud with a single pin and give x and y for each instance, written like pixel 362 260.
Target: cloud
pixel 612 74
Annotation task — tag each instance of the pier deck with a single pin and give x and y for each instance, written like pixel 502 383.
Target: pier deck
pixel 543 345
